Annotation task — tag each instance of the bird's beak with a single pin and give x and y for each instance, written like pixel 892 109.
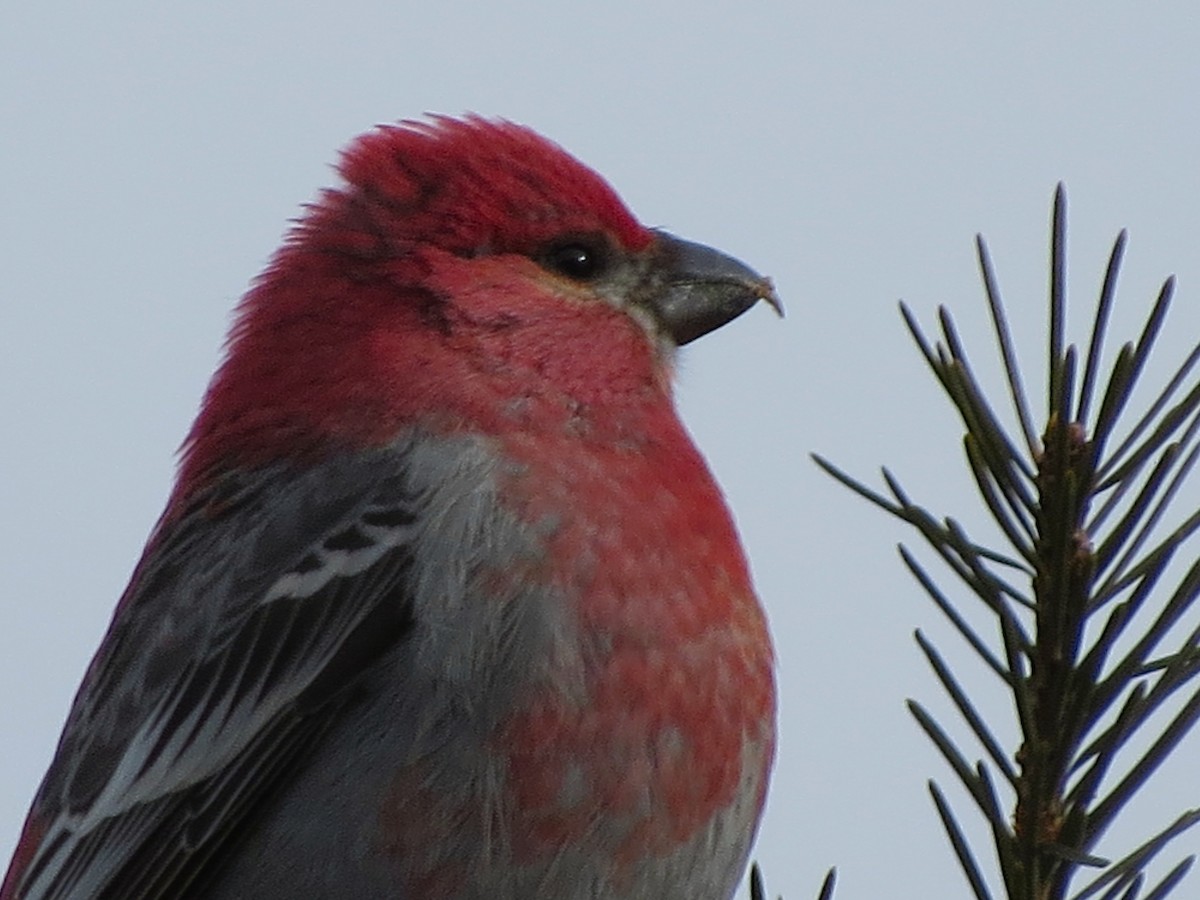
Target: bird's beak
pixel 703 289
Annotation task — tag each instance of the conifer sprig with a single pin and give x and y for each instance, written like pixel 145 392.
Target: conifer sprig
pixel 1087 635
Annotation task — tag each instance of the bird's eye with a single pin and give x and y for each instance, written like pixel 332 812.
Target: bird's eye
pixel 577 259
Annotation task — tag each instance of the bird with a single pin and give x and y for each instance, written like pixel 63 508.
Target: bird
pixel 444 603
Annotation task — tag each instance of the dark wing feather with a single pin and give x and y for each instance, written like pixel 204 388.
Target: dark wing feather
pixel 238 643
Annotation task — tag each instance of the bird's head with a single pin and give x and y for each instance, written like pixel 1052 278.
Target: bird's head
pixel 467 273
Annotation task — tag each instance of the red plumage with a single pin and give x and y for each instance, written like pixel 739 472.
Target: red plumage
pixel 445 603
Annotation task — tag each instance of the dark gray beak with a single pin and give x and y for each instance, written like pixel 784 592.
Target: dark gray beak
pixel 704 289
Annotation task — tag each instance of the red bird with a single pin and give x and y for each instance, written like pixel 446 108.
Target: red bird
pixel 445 603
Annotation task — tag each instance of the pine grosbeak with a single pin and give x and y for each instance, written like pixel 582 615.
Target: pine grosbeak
pixel 445 602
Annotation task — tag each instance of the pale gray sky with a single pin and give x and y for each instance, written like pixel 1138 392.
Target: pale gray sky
pixel 152 153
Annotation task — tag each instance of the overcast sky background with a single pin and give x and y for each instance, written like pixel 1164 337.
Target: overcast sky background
pixel 151 155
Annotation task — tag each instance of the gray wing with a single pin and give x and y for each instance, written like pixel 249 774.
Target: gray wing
pixel 242 635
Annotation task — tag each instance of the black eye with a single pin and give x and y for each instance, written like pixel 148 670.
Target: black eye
pixel 577 259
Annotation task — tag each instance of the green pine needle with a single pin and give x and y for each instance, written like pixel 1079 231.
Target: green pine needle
pixel 1082 618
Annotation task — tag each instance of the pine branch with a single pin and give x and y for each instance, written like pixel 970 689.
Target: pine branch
pixel 1083 623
